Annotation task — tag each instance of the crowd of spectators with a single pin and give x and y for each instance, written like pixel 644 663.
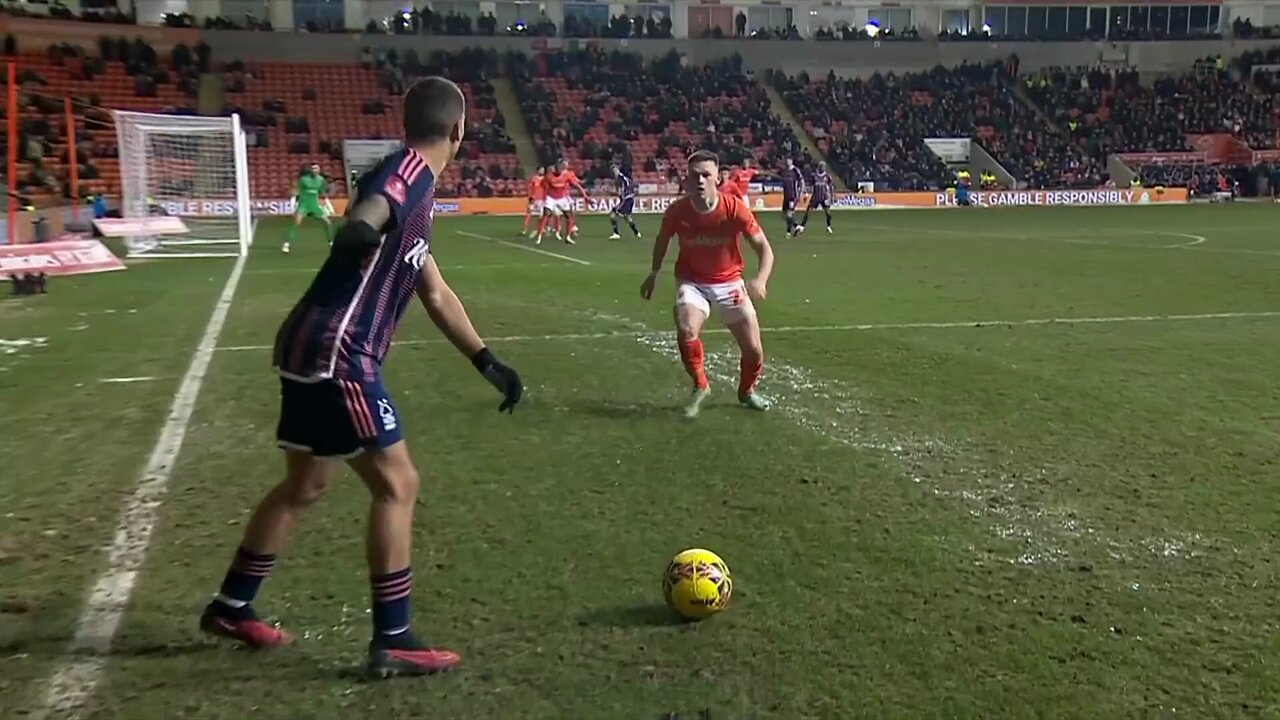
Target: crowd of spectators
pixel 1106 110
pixel 601 108
pixel 874 129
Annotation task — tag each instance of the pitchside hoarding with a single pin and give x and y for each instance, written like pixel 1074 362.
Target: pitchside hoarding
pixel 768 201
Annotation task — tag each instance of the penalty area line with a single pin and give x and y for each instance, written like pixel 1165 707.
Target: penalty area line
pixel 80 669
pixel 864 327
pixel 508 243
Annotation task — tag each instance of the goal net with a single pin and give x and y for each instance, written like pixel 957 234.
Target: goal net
pixel 189 168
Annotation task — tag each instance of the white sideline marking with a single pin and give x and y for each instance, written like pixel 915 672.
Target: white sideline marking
pixel 529 248
pixel 140 378
pixel 81 667
pixel 850 328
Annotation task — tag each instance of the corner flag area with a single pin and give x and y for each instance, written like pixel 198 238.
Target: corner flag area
pixel 1021 462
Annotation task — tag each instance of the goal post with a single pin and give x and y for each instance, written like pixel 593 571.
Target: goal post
pixel 191 168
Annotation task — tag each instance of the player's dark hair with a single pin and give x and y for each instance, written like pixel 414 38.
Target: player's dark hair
pixel 432 107
pixel 704 156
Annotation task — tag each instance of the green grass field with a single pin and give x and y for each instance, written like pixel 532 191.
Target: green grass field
pixel 958 508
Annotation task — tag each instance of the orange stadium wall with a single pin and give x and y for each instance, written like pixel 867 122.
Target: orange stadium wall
pixel 759 203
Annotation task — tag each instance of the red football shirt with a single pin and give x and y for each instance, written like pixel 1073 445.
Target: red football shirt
pixel 709 251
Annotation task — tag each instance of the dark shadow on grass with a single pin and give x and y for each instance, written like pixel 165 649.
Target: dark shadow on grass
pixel 618 410
pixel 161 649
pixel 644 615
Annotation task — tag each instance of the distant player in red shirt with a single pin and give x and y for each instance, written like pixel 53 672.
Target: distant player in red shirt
pixel 728 186
pixel 536 195
pixel 557 183
pixel 708 223
pixel 742 178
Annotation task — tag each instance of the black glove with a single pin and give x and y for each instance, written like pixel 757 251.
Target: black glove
pixel 501 377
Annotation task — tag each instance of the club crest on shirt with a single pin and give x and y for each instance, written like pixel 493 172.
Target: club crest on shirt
pixel 396 189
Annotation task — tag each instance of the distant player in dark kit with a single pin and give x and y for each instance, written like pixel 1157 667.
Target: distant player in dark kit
pixel 333 407
pixel 792 189
pixel 626 202
pixel 819 197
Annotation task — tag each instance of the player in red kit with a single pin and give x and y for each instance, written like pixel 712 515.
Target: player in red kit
pixel 708 222
pixel 558 203
pixel 729 186
pixel 537 193
pixel 742 178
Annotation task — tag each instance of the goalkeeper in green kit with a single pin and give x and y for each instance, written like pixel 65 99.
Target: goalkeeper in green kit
pixel 312 188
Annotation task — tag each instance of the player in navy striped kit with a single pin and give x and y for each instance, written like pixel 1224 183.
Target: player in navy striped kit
pixel 792 189
pixel 333 406
pixel 820 196
pixel 626 202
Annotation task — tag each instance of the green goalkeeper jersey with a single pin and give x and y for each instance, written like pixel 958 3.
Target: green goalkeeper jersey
pixel 309 189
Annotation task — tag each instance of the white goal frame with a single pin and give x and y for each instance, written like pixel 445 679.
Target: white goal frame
pixel 214 233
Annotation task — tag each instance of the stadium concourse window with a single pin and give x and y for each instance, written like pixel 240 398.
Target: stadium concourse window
pixel 765 17
pixel 956 21
pixel 1118 22
pixel 714 21
pixel 895 19
pixel 319 14
pixel 595 14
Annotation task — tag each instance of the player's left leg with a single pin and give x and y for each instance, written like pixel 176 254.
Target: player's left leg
pixel 826 210
pixel 740 317
pixel 570 228
pixel 393 484
pixel 746 331
pixel 788 214
pixel 328 227
pixel 631 222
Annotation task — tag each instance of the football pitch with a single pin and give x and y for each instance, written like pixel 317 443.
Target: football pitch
pixel 1022 463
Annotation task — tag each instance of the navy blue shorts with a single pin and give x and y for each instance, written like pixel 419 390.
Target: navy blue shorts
pixel 819 200
pixel 625 206
pixel 336 418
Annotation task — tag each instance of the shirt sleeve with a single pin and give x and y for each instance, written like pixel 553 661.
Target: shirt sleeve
pixel 668 227
pixel 745 220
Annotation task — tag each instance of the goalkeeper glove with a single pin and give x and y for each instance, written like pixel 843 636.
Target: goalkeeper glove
pixel 501 377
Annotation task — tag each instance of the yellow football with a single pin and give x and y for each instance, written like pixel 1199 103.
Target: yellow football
pixel 697 584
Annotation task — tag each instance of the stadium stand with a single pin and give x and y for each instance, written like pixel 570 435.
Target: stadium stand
pixel 301 112
pixel 594 108
pixel 1054 128
pixel 124 75
pixel 874 129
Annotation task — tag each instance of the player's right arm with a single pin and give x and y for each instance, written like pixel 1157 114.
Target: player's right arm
pixel 660 244
pixel 758 286
pixel 448 314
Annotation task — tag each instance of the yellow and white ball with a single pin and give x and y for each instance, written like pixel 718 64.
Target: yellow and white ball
pixel 697 584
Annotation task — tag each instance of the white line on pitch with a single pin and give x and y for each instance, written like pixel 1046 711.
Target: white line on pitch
pixel 445 268
pixel 531 249
pixel 1197 243
pixel 140 378
pixel 80 669
pixel 854 328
